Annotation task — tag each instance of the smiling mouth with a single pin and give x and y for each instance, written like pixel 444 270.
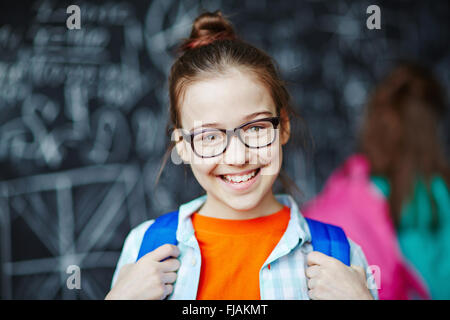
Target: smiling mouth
pixel 236 179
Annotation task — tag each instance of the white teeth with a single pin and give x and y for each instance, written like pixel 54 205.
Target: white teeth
pixel 246 177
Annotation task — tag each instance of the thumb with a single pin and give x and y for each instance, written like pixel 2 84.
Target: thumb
pixel 317 258
pixel 360 270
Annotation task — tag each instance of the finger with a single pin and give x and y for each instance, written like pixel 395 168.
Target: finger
pixel 162 252
pixel 312 271
pixel 312 283
pixel 312 295
pixel 168 289
pixel 359 270
pixel 169 265
pixel 318 258
pixel 169 277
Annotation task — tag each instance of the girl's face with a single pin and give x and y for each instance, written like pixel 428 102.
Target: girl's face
pixel 226 102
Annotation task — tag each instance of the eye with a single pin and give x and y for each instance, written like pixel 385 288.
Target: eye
pixel 255 128
pixel 210 137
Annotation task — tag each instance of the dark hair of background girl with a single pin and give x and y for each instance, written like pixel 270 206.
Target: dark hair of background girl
pixel 400 134
pixel 212 48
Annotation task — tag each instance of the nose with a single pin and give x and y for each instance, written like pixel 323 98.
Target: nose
pixel 236 152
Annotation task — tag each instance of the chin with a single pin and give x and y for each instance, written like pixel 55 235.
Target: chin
pixel 240 206
pixel 242 202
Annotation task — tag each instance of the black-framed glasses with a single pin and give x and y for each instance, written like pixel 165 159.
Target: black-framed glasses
pixel 211 142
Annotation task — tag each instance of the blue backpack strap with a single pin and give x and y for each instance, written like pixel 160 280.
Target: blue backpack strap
pixel 162 231
pixel 326 238
pixel 330 240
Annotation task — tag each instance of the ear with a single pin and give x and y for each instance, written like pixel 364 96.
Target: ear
pixel 181 145
pixel 285 127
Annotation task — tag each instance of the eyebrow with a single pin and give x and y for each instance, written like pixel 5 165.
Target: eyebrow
pixel 245 119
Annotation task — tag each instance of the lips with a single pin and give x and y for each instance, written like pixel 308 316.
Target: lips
pixel 237 177
pixel 239 173
pixel 243 180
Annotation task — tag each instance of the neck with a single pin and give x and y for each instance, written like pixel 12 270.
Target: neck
pixel 215 208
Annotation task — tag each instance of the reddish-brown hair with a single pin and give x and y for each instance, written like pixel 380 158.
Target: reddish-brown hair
pixel 211 50
pixel 400 134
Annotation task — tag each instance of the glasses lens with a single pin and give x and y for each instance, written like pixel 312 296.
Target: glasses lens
pixel 210 143
pixel 258 134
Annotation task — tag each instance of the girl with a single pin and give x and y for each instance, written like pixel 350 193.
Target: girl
pixel 393 198
pixel 239 241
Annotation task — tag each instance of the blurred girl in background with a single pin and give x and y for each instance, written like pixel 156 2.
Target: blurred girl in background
pixel 393 198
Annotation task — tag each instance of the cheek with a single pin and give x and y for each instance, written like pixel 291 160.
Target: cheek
pixel 202 168
pixel 271 157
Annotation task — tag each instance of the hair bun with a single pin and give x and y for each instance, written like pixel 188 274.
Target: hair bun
pixel 208 27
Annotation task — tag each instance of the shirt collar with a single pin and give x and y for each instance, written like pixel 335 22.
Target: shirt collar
pixel 296 231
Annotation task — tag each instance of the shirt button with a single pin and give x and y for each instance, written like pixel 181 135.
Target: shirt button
pixel 193 261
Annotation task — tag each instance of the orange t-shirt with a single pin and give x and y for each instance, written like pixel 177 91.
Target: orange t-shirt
pixel 233 252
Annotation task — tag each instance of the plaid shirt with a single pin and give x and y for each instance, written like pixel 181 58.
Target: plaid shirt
pixel 286 277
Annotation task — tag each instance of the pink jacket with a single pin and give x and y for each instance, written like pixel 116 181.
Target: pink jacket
pixel 351 201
